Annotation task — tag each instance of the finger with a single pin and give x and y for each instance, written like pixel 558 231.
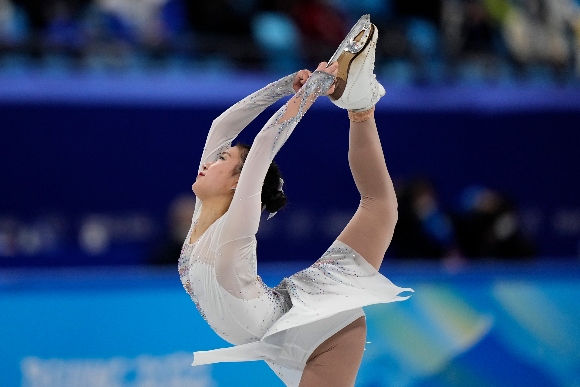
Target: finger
pixel 333 70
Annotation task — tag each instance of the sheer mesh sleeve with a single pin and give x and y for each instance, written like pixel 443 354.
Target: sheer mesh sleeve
pixel 230 123
pixel 236 260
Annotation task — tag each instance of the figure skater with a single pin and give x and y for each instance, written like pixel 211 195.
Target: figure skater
pixel 310 329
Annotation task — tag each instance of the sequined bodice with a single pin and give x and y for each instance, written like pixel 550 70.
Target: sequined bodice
pixel 224 312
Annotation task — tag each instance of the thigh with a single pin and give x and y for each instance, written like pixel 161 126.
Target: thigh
pixel 336 361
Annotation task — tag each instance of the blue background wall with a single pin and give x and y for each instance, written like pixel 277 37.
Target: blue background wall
pixel 116 147
pixel 78 147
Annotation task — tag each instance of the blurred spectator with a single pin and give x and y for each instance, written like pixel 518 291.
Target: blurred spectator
pixel 223 31
pixel 469 29
pixel 423 229
pixel 63 33
pixel 421 23
pixel 470 37
pixel 429 10
pixel 322 27
pixel 179 218
pixel 153 25
pixel 488 226
pixel 277 36
pixel 51 17
pixel 131 20
pixel 540 32
pixel 12 24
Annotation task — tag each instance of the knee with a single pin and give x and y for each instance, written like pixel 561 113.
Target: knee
pixel 384 210
pixel 380 204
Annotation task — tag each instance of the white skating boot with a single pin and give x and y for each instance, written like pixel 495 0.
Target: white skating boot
pixel 357 88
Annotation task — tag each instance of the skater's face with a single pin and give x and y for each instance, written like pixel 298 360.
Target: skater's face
pixel 219 178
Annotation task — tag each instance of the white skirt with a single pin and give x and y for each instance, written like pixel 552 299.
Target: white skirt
pixel 326 297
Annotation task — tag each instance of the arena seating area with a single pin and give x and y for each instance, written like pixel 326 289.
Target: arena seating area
pixel 422 41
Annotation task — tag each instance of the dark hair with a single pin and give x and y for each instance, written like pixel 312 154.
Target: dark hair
pixel 273 198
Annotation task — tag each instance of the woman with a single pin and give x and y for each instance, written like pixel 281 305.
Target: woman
pixel 310 329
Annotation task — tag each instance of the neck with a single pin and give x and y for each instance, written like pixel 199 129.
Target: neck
pixel 211 211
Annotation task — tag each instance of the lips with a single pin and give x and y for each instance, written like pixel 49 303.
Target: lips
pixel 201 174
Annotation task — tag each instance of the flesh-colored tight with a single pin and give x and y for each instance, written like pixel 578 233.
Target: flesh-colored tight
pixel 337 360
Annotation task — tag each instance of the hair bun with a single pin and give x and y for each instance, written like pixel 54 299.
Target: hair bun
pixel 276 202
pixel 273 197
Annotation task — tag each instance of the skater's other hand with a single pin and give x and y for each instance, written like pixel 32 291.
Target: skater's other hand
pixel 330 69
pixel 300 79
pixel 302 76
pixel 326 68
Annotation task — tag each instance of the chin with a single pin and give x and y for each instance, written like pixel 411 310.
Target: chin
pixel 198 190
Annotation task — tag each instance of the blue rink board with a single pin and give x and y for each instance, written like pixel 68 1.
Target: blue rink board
pixel 486 326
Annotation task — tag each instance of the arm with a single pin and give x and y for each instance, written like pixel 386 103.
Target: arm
pixel 229 124
pixel 237 269
pixel 246 204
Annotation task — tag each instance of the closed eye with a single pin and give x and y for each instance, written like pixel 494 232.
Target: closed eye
pixel 223 155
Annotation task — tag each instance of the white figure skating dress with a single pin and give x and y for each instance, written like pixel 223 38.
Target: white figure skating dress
pixel 281 325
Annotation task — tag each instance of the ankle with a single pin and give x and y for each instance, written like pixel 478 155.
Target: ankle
pixel 361 116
